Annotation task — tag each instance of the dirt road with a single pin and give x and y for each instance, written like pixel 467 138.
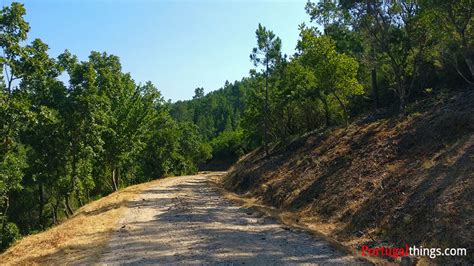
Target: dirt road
pixel 186 221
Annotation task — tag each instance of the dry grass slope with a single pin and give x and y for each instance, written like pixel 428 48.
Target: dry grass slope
pixel 396 180
pixel 79 239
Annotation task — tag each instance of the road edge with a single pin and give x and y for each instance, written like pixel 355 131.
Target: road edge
pixel 215 181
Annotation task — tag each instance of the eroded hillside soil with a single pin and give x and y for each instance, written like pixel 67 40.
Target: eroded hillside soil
pixel 406 179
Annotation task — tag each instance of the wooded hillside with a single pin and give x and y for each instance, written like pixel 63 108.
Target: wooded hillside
pixel 387 181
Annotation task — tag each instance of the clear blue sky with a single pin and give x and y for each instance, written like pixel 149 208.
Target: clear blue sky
pixel 178 45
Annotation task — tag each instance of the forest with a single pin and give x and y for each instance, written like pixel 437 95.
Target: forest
pixel 66 143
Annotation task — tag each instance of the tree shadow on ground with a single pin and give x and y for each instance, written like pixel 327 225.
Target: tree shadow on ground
pixel 206 228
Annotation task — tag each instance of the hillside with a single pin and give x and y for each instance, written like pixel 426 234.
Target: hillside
pixel 395 180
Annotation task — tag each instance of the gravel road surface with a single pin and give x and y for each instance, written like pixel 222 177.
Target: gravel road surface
pixel 186 221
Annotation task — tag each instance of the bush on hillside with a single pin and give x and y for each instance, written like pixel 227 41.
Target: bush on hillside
pixel 228 145
pixel 10 234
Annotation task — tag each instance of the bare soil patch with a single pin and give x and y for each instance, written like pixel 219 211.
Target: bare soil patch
pixel 389 181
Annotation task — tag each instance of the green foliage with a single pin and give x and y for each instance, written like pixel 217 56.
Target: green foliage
pixel 11 170
pixel 11 233
pixel 368 52
pixel 229 144
pixel 198 93
pixel 217 112
pixel 268 50
pixel 456 37
pixel 174 149
pixel 64 145
pixel 268 54
pixel 335 73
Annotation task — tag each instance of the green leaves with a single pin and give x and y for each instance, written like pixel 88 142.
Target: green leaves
pixel 268 50
pixel 229 145
pixel 12 166
pixel 62 146
pixel 13 29
pixel 335 74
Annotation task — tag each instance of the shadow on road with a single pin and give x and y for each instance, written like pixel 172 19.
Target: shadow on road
pixel 190 223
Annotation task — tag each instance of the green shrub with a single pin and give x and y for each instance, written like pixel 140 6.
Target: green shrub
pixel 9 236
pixel 228 145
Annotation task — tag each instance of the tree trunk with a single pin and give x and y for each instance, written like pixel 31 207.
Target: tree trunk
pixel 5 211
pixel 470 65
pixel 289 121
pixel 79 199
pixel 54 215
pixel 265 136
pixel 118 178
pixel 68 206
pixel 41 204
pixel 114 181
pixel 373 72
pixel 66 211
pixel 375 89
pixel 326 111
pixel 455 63
pixel 73 180
pixel 55 211
pixel 344 108
pixel 401 97
pixel 401 108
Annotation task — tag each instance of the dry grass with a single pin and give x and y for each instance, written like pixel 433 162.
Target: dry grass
pixel 391 181
pixel 79 239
